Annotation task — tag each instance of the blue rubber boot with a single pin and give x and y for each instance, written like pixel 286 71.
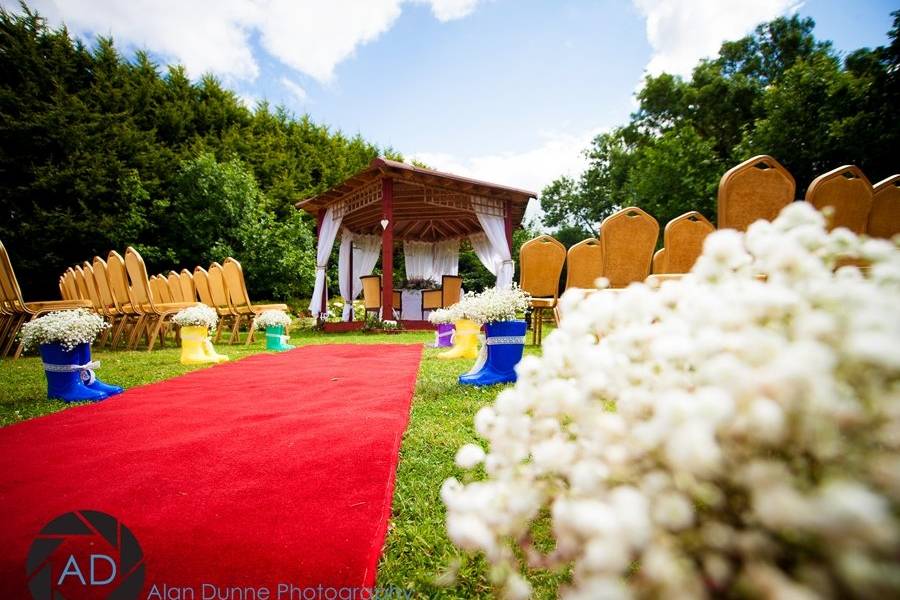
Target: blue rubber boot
pixel 89 378
pixel 276 340
pixel 505 342
pixel 63 372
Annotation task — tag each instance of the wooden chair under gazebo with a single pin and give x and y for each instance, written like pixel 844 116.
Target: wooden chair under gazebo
pixel 429 212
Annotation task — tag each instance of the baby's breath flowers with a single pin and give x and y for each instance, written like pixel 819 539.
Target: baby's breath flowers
pixel 493 305
pixel 444 316
pixel 736 432
pixel 272 318
pixel 200 315
pixel 67 328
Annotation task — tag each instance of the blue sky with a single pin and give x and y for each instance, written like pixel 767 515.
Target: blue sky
pixel 506 90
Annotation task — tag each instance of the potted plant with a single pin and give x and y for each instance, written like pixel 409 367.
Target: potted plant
pixel 464 339
pixel 275 323
pixel 443 319
pixel 497 311
pixel 196 347
pixel 64 338
pixel 418 283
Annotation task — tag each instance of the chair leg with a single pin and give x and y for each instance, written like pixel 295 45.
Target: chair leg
pixel 556 315
pixel 152 340
pixel 235 331
pixel 250 331
pixel 219 328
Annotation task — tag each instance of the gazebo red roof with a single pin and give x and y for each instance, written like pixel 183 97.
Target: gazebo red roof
pixel 427 205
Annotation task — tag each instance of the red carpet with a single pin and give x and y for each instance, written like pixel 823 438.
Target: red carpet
pixel 272 469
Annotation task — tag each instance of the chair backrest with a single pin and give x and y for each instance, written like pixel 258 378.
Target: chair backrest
pixel 188 293
pixel 160 286
pixel 628 239
pixel 659 259
pixel 371 287
pixel 451 290
pixel 118 278
pixel 217 286
pixel 138 281
pixel 91 283
pixel 683 241
pixel 12 293
pixel 174 282
pixel 584 264
pixel 70 285
pixel 541 263
pixel 755 189
pixel 81 283
pixel 63 292
pixel 234 280
pixel 104 288
pixel 848 191
pixel 884 218
pixel 201 282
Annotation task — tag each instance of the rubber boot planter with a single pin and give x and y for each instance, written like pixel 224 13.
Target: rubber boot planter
pixel 67 375
pixel 443 335
pixel 276 339
pixel 465 340
pixel 503 347
pixel 88 377
pixel 196 347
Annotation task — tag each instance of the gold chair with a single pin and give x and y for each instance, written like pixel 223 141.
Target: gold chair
pixel 371 285
pixel 659 258
pixel 108 299
pixel 584 264
pixel 541 263
pixel 156 313
pixel 848 191
pixel 220 301
pixel 174 282
pixel 884 218
pixel 121 291
pixel 240 298
pixel 628 239
pixel 17 311
pixel 70 285
pixel 683 242
pixel 446 295
pixel 755 189
pixel 188 293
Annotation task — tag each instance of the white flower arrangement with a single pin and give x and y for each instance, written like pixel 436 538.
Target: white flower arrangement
pixel 493 304
pixel 200 315
pixel 67 328
pixel 444 316
pixel 272 318
pixel 736 432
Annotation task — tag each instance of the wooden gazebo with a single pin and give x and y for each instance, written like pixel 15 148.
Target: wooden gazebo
pixel 403 202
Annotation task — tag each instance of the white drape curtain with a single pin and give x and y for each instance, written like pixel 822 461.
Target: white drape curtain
pixel 446 259
pixel 495 231
pixel 419 259
pixel 366 250
pixel 327 234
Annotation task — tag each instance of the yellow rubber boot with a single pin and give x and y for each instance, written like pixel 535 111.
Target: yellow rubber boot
pixel 194 342
pixel 465 340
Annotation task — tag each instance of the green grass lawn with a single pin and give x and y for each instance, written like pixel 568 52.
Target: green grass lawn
pixel 417 550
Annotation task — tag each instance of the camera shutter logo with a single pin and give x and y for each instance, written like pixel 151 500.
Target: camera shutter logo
pixel 85 554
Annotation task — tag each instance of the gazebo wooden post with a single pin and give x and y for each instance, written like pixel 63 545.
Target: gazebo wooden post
pixel 350 282
pixel 320 219
pixel 507 218
pixel 387 249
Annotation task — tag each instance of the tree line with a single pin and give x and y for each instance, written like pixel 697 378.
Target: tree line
pixel 779 91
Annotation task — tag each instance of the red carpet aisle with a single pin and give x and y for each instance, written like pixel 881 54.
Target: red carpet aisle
pixel 276 468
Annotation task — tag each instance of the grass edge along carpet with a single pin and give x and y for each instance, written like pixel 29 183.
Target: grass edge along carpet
pixel 274 469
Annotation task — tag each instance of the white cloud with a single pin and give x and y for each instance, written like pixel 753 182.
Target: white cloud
pixel 310 36
pixel 296 90
pixel 558 154
pixel 683 31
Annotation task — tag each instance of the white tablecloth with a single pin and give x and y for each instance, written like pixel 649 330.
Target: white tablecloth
pixel 412 305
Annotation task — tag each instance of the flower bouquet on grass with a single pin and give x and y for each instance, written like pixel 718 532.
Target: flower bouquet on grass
pixel 275 324
pixel 64 338
pixel 196 323
pixel 496 309
pixel 443 319
pixel 724 435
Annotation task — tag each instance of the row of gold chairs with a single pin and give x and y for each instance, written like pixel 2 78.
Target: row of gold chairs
pixel 15 311
pixel 756 189
pixel 139 306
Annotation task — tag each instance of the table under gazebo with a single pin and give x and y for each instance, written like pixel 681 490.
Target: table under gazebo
pixel 428 211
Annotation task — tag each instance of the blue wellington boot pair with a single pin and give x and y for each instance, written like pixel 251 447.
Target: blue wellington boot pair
pixel 70 375
pixel 276 339
pixel 504 344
